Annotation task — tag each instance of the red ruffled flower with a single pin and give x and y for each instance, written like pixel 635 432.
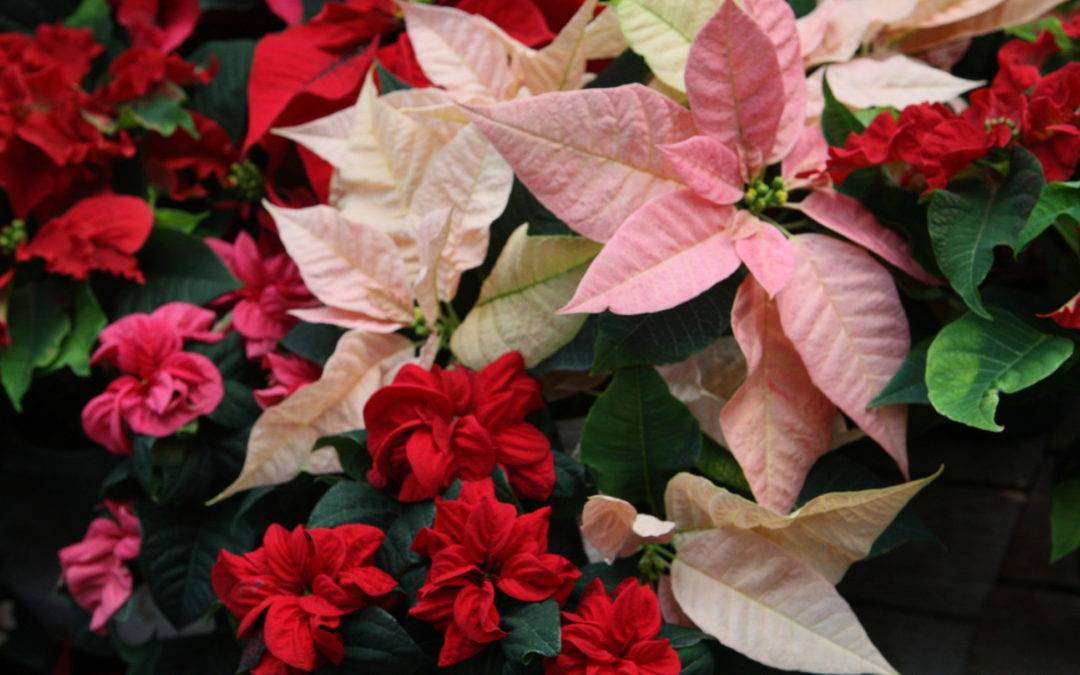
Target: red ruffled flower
pixel 303 581
pixel 616 634
pixel 140 71
pixel 98 233
pixel 429 427
pixel 1053 129
pixel 272 286
pixel 163 387
pixel 288 373
pixel 95 570
pixel 1068 315
pixel 161 25
pixel 479 546
pixel 182 164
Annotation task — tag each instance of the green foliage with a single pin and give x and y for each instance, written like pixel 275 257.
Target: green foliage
pixel 968 220
pixel 534 632
pixel 224 99
pixel 38 326
pixel 238 409
pixel 694 649
pixel 836 120
pixel 354 502
pixel 388 82
pixel 973 360
pixel 86 324
pixel 179 547
pixel 396 555
pixel 1058 205
pixel 720 466
pixel 189 468
pixel 178 268
pixel 178 219
pixel 162 112
pixel 312 341
pixel 668 336
pixel 909 383
pixel 96 16
pixel 637 436
pixel 376 643
pixel 578 354
pixel 1065 518
pixel 627 68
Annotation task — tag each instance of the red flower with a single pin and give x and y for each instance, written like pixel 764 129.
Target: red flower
pixel 98 233
pixel 1068 315
pixel 161 25
pixel 140 71
pixel 272 286
pixel 1053 129
pixel 183 164
pixel 479 546
pixel 304 581
pixel 162 388
pixel 615 634
pixel 428 428
pixel 95 570
pixel 288 373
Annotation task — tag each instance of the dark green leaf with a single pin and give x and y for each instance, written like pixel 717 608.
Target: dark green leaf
pixel 693 647
pixel 837 122
pixel 569 476
pixel 376 643
pixel 352 452
pixel 225 98
pixel 973 360
pixel 234 5
pixel 1058 202
pixel 178 219
pixel 179 547
pixel 395 555
pixel 627 68
pixel 720 466
pixel 238 409
pixel 227 354
pixel 353 502
pixel 578 354
pixel 534 631
pixel 87 322
pixel 668 336
pixel 312 341
pixel 637 436
pixel 26 15
pixel 609 575
pixel 802 7
pixel 38 324
pixel 1065 518
pixel 215 653
pixel 162 112
pixel 95 15
pixel 835 472
pixel 388 82
pixel 178 268
pixel 972 217
pixel 909 383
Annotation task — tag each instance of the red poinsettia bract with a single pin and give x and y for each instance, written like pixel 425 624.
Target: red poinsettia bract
pixel 302 582
pixel 98 233
pixel 161 25
pixel 429 427
pixel 288 373
pixel 162 387
pixel 616 634
pixel 479 547
pixel 95 569
pixel 272 286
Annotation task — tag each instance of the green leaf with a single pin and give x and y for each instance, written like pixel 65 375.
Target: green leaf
pixel 908 385
pixel 376 643
pixel 1059 202
pixel 162 112
pixel 720 466
pixel 227 354
pixel 396 555
pixel 973 360
pixel 627 68
pixel 352 452
pixel 388 82
pixel 353 502
pixel 968 220
pixel 312 341
pixel 225 98
pixel 693 647
pixel 179 547
pixel 178 219
pixel 86 326
pixel 669 336
pixel 238 409
pixel 38 324
pixel 95 15
pixel 637 436
pixel 837 122
pixel 178 268
pixel 802 7
pixel 836 472
pixel 1065 518
pixel 578 354
pixel 534 631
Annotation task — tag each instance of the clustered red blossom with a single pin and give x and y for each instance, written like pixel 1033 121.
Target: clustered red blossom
pixel 929 143
pixel 95 570
pixel 301 583
pixel 162 387
pixel 480 547
pixel 288 373
pixel 430 427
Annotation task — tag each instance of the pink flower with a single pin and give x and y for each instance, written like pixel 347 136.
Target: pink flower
pixel 93 569
pixel 272 286
pixel 163 387
pixel 287 374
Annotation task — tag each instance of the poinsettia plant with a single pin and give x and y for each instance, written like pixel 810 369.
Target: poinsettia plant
pixel 529 336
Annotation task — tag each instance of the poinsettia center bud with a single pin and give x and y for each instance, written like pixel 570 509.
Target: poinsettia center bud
pixel 419 323
pixel 12 235
pixel 655 561
pixel 992 122
pixel 244 177
pixel 761 195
